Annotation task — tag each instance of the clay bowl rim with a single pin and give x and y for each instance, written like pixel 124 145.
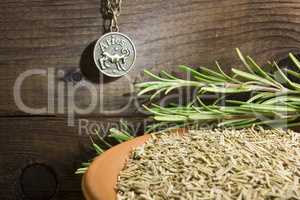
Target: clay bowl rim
pixel 98 185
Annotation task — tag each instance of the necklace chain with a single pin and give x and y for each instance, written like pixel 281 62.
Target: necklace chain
pixel 113 10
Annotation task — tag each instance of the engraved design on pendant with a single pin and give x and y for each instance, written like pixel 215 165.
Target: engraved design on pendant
pixel 114 54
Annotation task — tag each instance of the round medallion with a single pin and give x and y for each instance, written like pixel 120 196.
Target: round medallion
pixel 114 54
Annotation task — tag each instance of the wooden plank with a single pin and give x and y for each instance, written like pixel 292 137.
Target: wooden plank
pixel 59 35
pixel 39 155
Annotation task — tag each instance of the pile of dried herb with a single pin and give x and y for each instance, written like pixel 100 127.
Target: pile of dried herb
pixel 214 164
pixel 270 98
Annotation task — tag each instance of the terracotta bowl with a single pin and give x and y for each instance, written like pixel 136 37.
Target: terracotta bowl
pixel 101 178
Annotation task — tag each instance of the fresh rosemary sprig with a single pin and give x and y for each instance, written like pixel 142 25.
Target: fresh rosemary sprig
pixel 101 144
pixel 275 99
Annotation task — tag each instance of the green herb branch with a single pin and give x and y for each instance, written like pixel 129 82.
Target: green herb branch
pixel 275 97
pixel 275 100
pixel 100 144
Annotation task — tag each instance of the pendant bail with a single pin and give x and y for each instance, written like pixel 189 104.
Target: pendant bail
pixel 114 52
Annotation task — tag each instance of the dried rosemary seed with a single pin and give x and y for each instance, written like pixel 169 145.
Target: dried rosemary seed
pixel 214 164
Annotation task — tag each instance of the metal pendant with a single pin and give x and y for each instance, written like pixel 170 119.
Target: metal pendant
pixel 114 54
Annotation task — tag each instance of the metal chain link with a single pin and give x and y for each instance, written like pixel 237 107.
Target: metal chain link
pixel 113 9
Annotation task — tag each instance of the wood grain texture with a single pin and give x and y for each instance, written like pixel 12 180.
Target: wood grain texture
pixel 57 36
pixel 35 153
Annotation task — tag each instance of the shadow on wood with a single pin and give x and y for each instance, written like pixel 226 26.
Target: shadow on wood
pixel 89 68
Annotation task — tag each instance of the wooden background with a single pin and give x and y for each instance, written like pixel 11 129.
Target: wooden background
pixel 39 153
